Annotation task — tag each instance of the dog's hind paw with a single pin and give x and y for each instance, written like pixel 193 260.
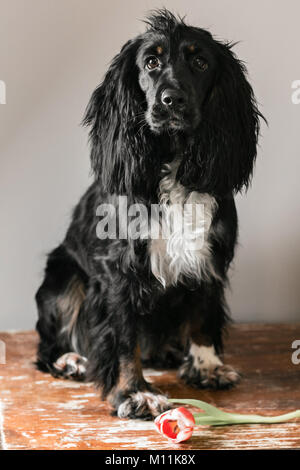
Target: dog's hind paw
pixel 71 365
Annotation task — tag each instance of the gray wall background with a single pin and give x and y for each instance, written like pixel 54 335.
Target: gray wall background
pixel 52 55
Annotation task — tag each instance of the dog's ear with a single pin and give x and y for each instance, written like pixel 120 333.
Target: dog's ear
pixel 119 144
pixel 224 151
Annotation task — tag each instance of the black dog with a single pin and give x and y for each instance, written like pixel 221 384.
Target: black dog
pixel 174 122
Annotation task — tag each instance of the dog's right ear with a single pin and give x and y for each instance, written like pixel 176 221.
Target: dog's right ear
pixel 119 140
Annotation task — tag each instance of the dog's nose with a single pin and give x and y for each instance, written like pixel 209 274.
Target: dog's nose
pixel 172 98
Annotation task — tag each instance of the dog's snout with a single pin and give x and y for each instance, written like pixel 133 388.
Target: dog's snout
pixel 172 98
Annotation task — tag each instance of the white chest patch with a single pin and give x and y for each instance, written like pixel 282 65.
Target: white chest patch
pixel 182 248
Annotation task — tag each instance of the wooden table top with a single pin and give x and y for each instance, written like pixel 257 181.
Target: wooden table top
pixel 40 412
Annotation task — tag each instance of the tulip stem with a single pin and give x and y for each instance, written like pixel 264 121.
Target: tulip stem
pixel 233 418
pixel 214 417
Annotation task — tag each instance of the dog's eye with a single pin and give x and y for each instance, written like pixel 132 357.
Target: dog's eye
pixel 152 62
pixel 200 63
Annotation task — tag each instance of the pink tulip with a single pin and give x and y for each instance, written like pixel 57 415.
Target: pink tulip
pixel 177 425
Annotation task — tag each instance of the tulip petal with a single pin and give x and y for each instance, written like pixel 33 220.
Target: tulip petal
pixel 184 435
pixel 170 429
pixel 176 424
pixel 186 417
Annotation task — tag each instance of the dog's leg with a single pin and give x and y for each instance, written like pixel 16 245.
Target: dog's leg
pixel 114 358
pixel 133 397
pixel 203 366
pixel 59 301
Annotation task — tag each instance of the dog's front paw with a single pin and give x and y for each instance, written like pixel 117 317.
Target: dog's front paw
pixel 218 377
pixel 143 405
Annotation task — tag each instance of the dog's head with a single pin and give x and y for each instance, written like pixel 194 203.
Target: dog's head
pixel 174 82
pixel 177 68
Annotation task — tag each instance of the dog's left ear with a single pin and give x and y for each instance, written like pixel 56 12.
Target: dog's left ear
pixel 224 151
pixel 119 145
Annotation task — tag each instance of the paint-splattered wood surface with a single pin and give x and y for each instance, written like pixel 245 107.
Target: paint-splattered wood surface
pixel 40 412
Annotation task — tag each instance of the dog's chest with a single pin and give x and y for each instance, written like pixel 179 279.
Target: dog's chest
pixel 182 249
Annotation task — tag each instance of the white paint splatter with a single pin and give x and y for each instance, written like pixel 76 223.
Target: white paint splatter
pixel 2 435
pixel 68 446
pixel 132 425
pixel 45 418
pixel 19 377
pixel 73 405
pixel 68 384
pixel 86 395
